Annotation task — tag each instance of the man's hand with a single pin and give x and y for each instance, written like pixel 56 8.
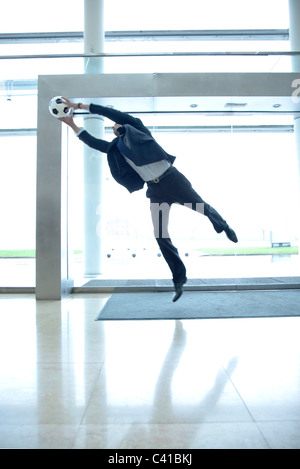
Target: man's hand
pixel 118 130
pixel 75 106
pixel 69 104
pixel 68 119
pixel 70 122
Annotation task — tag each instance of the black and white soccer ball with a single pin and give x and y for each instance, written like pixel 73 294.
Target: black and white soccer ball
pixel 58 108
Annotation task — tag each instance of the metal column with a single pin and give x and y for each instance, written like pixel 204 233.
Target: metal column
pixel 93 43
pixel 52 280
pixel 294 10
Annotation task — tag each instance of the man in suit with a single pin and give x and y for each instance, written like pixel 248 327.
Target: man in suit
pixel 135 158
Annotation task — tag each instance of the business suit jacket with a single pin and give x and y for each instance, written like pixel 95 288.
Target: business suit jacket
pixel 143 147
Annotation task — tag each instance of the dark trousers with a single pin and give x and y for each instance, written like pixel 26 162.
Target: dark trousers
pixel 176 188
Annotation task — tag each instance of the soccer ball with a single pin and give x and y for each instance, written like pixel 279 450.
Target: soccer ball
pixel 58 108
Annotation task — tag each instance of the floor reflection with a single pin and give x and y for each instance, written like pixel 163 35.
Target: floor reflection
pixel 165 407
pixel 68 381
pixel 21 272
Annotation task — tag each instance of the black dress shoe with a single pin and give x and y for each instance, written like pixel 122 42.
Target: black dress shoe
pixel 178 286
pixel 231 234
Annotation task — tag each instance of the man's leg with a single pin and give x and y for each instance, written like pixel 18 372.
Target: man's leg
pixel 181 189
pixel 160 219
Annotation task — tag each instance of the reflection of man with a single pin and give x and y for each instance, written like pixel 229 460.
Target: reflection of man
pixel 134 157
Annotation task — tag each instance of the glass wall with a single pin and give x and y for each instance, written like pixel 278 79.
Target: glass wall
pixel 17 208
pixel 244 166
pixel 199 44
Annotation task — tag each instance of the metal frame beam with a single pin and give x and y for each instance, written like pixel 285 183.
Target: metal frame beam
pixel 154 35
pixel 158 92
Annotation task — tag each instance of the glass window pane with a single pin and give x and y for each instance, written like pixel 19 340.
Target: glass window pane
pixel 199 64
pixel 123 235
pixel 14 69
pixel 18 111
pixel 237 172
pixel 20 48
pixel 191 14
pixel 195 14
pixel 17 209
pixel 215 15
pixel 37 16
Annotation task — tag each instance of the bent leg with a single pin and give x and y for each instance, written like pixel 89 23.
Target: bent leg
pixel 180 188
pixel 215 218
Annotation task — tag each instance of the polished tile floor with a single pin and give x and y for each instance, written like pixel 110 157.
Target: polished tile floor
pixel 68 381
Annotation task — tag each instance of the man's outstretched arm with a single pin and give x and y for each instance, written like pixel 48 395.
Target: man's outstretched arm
pixel 86 137
pixel 116 116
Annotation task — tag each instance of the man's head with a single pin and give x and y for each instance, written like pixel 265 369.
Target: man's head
pixel 119 127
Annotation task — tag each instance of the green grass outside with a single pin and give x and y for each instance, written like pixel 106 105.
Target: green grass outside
pixel 234 251
pixel 17 253
pixel 249 251
pixel 23 253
